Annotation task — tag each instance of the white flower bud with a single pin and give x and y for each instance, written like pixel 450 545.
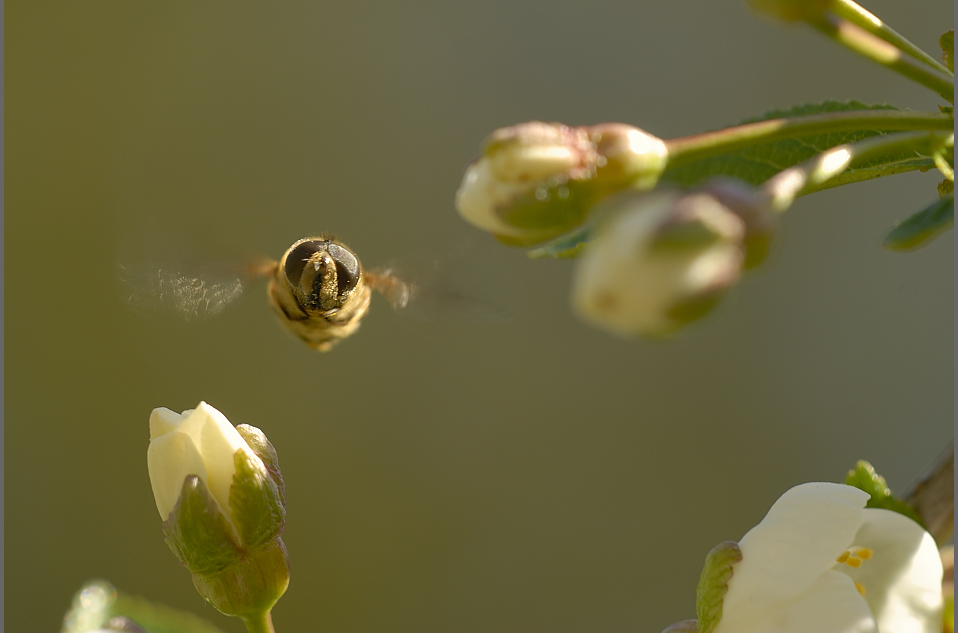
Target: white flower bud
pixel 537 180
pixel 199 442
pixel 662 259
pixel 221 496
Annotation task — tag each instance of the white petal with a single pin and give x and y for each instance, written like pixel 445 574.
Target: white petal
pixel 481 194
pixel 217 441
pixel 162 421
pixel 170 458
pixel 902 580
pixel 796 542
pixel 831 604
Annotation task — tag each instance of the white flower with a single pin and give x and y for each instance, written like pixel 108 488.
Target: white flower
pixel 820 562
pixel 661 260
pixel 199 442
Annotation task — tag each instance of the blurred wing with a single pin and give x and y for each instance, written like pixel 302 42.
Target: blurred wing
pixel 430 302
pixel 190 295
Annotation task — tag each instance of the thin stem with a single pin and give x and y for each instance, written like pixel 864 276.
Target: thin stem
pixel 260 623
pixel 876 49
pixel 812 175
pixel 689 149
pixel 858 16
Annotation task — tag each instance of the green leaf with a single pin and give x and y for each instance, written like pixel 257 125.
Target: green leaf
pixel 947 43
pixel 864 477
pixel 713 584
pixel 924 226
pixel 758 163
pixel 98 602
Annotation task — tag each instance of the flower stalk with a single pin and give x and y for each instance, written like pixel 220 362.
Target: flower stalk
pixel 685 150
pixel 820 172
pixel 863 19
pixel 890 56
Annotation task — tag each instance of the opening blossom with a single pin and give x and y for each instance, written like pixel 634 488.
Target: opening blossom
pixel 820 562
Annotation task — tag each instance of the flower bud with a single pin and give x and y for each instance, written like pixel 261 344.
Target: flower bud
pixel 221 496
pixel 665 258
pixel 535 181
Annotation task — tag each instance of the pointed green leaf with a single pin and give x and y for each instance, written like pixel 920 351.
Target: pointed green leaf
pixel 255 502
pixel 713 584
pixel 758 163
pixel 947 43
pixel 864 477
pixel 198 531
pixel 922 227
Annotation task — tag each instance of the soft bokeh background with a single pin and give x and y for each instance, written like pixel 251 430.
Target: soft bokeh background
pixel 533 475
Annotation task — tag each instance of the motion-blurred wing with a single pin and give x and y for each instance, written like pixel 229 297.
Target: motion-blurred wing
pixel 189 295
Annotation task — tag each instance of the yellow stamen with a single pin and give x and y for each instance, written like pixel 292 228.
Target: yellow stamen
pixel 854 561
pixel 863 553
pixel 861 588
pixel 843 557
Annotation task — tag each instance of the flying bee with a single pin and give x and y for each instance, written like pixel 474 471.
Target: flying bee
pixel 318 290
pixel 321 293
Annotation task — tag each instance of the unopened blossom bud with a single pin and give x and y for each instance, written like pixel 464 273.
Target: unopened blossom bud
pixel 537 180
pixel 661 259
pixel 221 496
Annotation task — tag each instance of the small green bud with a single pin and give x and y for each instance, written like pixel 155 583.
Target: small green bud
pixel 535 181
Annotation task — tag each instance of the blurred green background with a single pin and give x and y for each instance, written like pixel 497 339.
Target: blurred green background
pixel 533 475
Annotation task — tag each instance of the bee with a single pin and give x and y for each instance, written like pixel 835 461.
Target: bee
pixel 318 290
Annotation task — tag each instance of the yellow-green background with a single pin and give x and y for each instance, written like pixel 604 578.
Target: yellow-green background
pixel 534 475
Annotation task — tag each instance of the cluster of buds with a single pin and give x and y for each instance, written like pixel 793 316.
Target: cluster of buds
pixel 535 181
pixel 221 496
pixel 664 258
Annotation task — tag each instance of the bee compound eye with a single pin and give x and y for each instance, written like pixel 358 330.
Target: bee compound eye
pixel 347 268
pixel 299 253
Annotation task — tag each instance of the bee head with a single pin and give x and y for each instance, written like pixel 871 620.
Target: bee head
pixel 321 273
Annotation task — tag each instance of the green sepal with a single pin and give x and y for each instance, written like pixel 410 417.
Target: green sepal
pixel 251 586
pixel 255 501
pixel 864 477
pixel 198 532
pixel 947 43
pixel 265 451
pixel 758 163
pixel 922 227
pixel 550 211
pixel 98 603
pixel 713 584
